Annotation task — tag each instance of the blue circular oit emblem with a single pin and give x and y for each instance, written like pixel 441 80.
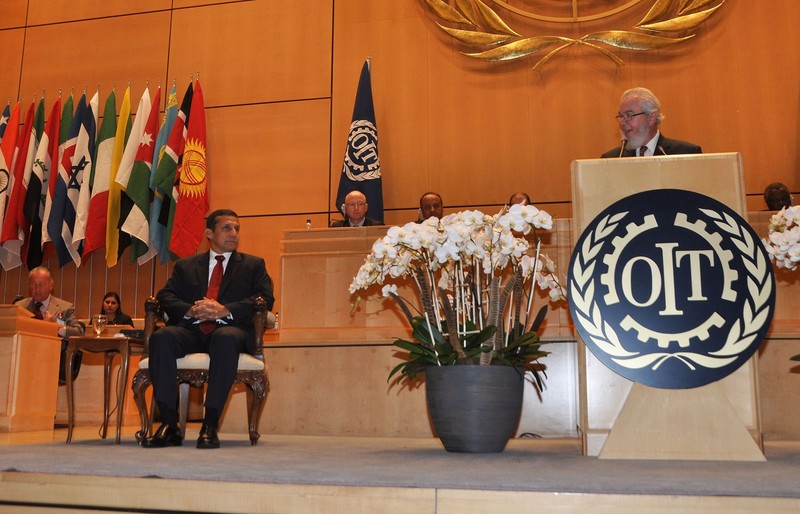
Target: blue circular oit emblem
pixel 671 289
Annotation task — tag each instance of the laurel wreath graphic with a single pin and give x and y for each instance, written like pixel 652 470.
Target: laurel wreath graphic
pixel 754 316
pixel 662 26
pixel 359 126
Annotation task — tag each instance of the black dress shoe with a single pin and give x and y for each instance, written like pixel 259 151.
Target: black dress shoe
pixel 208 438
pixel 166 435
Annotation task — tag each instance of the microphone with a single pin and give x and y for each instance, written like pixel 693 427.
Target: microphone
pixel 661 149
pixel 622 147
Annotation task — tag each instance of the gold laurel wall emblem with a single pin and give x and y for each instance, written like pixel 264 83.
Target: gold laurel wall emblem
pixel 476 24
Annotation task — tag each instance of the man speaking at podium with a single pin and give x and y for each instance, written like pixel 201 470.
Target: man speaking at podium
pixel 639 117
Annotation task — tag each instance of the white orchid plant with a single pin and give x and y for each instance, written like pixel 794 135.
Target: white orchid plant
pixel 476 277
pixel 783 241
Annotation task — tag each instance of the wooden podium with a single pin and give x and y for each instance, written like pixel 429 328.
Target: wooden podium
pixel 624 420
pixel 29 357
pixel 319 265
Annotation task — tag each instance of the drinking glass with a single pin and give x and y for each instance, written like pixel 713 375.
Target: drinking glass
pixel 99 323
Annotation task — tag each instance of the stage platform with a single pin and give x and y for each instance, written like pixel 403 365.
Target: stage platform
pixel 309 474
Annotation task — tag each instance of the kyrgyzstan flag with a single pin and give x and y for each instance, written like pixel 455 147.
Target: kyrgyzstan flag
pixel 190 211
pixel 167 171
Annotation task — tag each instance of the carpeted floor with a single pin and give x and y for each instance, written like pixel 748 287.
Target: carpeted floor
pixel 526 465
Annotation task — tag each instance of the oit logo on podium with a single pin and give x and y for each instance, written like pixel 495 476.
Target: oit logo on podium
pixel 671 289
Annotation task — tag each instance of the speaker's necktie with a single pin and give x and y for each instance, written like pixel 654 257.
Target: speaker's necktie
pixel 38 313
pixel 213 292
pixel 642 151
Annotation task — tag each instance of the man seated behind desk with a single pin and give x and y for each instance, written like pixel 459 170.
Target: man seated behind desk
pixel 47 307
pixel 639 117
pixel 355 208
pixel 431 205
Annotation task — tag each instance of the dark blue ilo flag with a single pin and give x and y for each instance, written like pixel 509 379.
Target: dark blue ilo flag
pixel 361 170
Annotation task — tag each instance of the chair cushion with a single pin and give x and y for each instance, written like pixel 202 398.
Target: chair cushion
pixel 201 361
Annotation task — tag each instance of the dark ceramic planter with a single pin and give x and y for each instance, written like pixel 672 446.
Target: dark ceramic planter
pixel 474 409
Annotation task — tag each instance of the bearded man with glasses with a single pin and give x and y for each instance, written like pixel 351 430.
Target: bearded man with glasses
pixel 639 118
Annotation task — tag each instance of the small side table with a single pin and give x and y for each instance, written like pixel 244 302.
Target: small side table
pixel 111 346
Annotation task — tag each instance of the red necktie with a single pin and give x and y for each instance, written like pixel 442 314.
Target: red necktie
pixel 213 291
pixel 38 313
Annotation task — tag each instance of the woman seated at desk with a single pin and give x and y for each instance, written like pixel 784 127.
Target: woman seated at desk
pixel 112 308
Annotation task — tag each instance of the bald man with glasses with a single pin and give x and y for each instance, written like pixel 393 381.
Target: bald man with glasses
pixel 639 118
pixel 354 209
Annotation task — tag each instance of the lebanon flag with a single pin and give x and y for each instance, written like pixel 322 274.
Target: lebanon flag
pixel 37 187
pixel 84 157
pixel 10 237
pixel 190 210
pixel 101 171
pixel 137 224
pixel 168 169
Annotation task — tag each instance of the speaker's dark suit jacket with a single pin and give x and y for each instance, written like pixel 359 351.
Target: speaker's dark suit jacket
pixel 368 222
pixel 245 277
pixel 670 146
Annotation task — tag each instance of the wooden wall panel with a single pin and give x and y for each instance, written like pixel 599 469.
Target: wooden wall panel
pixel 179 4
pixel 397 45
pixel 262 236
pixel 265 51
pixel 134 48
pixel 11 63
pixel 42 12
pixel 269 158
pixel 13 14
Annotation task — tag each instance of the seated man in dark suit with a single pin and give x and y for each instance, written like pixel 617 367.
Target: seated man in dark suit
pixel 431 205
pixel 47 307
pixel 355 208
pixel 209 303
pixel 639 117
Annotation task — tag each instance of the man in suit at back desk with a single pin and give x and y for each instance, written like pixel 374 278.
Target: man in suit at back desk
pixel 355 208
pixel 209 303
pixel 47 307
pixel 639 118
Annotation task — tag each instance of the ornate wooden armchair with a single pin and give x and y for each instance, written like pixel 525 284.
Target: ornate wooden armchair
pixel 193 371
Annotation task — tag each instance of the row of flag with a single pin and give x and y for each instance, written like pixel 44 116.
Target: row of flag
pixel 69 187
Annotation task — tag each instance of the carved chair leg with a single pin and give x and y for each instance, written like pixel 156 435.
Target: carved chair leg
pixel 256 392
pixel 141 381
